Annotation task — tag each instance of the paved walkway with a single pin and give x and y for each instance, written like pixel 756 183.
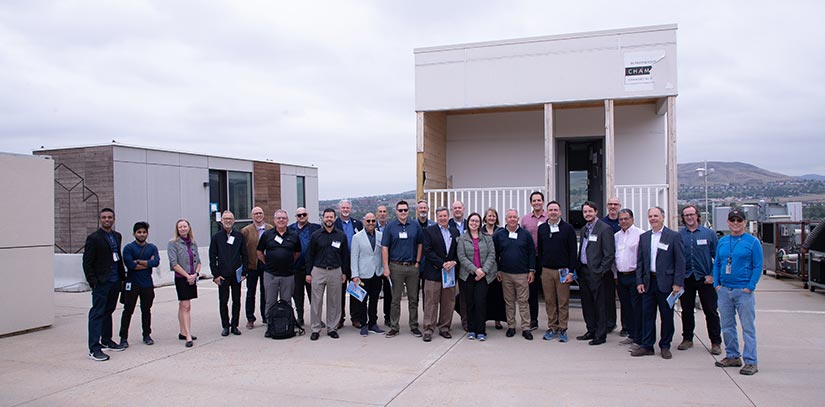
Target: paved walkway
pixel 50 367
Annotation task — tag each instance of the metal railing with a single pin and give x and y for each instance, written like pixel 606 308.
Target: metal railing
pixel 640 198
pixel 479 199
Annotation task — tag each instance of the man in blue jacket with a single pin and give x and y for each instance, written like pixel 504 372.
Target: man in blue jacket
pixel 139 258
pixel 736 270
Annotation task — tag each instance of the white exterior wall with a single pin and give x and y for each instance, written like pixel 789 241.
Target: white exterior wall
pixel 495 150
pixel 289 190
pixel 640 146
pixel 26 256
pixel 573 67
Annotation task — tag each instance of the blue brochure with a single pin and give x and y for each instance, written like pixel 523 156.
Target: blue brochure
pixel 356 291
pixel 448 278
pixel 563 274
pixel 671 299
pixel 239 273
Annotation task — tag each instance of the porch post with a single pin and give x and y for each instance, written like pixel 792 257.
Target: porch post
pixel 672 169
pixel 549 154
pixel 419 155
pixel 609 151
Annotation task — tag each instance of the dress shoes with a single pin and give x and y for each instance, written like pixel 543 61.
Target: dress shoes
pixel 189 344
pixel 685 345
pixel 597 341
pixel 715 349
pixel 236 331
pixel 666 354
pixel 356 324
pixel 225 332
pixel 314 336
pixel 510 332
pixel 428 337
pixel 642 352
pixel 250 324
pixel 391 333
pixel 183 338
pixel 626 341
pixel 333 334
pixel 445 335
pixel 527 335
pixel 586 337
pixel 623 333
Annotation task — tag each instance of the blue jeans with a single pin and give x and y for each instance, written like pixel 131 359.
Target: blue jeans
pixel 734 301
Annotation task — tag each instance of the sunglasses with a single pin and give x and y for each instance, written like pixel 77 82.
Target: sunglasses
pixel 300 215
pixel 369 221
pixel 403 210
pixel 736 220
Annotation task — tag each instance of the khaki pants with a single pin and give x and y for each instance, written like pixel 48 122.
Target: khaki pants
pixel 439 304
pixel 329 280
pixel 401 276
pixel 556 299
pixel 516 292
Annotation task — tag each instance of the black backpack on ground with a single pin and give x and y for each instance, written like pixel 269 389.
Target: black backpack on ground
pixel 281 321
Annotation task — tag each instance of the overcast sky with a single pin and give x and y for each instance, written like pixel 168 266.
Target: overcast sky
pixel 331 84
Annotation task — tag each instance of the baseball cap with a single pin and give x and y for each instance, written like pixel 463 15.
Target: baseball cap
pixel 737 213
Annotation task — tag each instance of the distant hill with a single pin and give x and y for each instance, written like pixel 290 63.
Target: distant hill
pixel 812 177
pixel 363 204
pixel 726 173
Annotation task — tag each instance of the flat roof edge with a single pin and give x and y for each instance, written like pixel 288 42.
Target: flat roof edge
pixel 557 37
pixel 46 150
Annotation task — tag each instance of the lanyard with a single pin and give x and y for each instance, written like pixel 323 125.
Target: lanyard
pixel 732 248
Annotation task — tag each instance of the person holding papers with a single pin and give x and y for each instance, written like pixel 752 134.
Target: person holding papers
pixel 439 275
pixel 365 258
pixel 477 255
pixel 660 273
pixel 557 258
pixel 227 261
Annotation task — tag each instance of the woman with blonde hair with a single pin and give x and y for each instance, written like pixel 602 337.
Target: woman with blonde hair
pixel 495 294
pixel 185 262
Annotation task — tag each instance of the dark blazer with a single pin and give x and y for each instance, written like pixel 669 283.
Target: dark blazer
pixel 435 251
pixel 670 263
pixel 602 252
pixel 355 222
pixel 97 257
pixel 225 258
pixel 452 224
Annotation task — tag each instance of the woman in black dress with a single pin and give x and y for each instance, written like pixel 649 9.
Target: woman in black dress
pixel 495 295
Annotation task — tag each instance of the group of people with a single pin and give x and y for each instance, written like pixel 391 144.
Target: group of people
pixel 472 265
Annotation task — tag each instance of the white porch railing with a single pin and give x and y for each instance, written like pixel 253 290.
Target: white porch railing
pixel 640 198
pixel 479 199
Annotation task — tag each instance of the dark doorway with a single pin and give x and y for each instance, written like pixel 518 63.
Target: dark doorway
pixel 584 177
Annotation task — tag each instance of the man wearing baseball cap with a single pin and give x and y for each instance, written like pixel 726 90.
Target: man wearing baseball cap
pixel 736 270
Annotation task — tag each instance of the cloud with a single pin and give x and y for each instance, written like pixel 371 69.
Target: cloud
pixel 332 83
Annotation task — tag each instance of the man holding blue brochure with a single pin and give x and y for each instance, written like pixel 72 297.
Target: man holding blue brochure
pixel 660 273
pixel 439 290
pixel 557 255
pixel 365 257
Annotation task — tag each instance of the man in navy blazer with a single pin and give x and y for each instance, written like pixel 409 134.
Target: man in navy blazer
pixel 660 271
pixel 440 251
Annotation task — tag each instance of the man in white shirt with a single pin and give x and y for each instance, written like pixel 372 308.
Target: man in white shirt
pixel 627 245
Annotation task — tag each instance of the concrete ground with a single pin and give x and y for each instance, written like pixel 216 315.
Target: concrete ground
pixel 51 368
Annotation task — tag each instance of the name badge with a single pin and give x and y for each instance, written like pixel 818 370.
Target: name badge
pixel 279 239
pixel 702 242
pixel 513 235
pixel 592 238
pixel 402 235
pixel 727 268
pixel 554 229
pixel 336 244
pixel 114 256
pixel 128 286
pixel 662 246
pixel 230 240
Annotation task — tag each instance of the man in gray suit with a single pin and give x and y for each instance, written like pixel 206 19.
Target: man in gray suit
pixel 598 249
pixel 367 272
pixel 660 271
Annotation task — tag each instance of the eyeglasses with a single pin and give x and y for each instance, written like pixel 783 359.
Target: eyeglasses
pixel 300 215
pixel 369 221
pixel 736 220
pixel 403 210
pixel 624 219
pixel 689 215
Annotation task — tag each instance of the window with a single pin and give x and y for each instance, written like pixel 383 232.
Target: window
pixel 302 191
pixel 230 190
